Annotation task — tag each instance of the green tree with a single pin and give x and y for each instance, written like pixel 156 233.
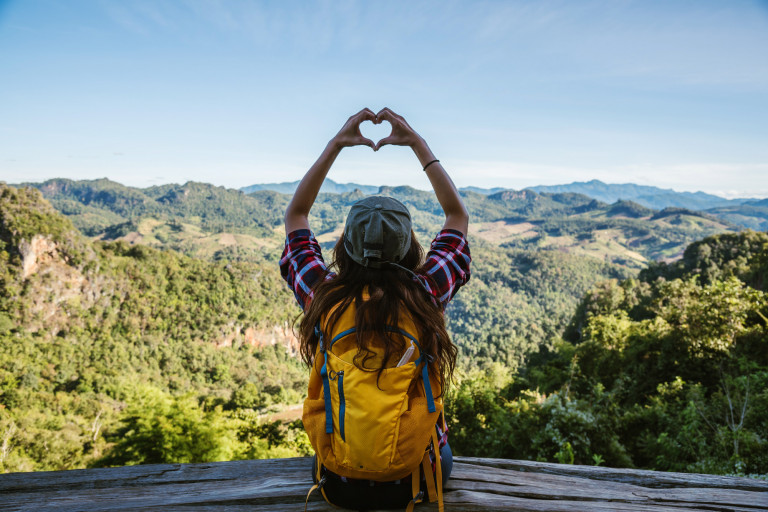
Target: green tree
pixel 159 428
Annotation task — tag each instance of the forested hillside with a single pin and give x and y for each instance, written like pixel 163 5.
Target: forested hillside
pixel 651 197
pixel 746 213
pixel 111 353
pixel 223 224
pixel 161 330
pixel 667 371
pixel 534 254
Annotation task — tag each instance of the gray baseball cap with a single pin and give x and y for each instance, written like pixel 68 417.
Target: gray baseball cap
pixel 378 230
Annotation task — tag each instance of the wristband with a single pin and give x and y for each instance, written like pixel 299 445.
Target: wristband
pixel 430 163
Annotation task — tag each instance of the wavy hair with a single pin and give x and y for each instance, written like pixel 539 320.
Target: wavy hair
pixel 391 293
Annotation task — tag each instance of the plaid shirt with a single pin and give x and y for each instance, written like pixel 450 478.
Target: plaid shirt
pixel 446 269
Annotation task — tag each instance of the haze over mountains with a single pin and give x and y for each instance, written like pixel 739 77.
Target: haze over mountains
pixel 745 212
pixel 208 221
pixel 652 197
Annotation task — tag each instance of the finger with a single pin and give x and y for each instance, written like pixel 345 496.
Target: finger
pixel 391 114
pixel 365 115
pixel 383 142
pixel 362 141
pixel 361 112
pixel 384 115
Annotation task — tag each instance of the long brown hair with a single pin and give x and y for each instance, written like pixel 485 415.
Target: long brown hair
pixel 391 291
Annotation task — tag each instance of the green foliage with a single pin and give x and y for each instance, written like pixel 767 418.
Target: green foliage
pixel 193 217
pixel 270 439
pixel 82 323
pixel 120 353
pixel 629 209
pixel 665 374
pixel 742 255
pixel 157 428
pixel 529 425
pixel 518 301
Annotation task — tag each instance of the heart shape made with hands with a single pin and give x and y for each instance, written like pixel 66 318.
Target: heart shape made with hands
pixel 375 132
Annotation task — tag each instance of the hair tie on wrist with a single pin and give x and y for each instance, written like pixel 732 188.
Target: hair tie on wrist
pixel 430 163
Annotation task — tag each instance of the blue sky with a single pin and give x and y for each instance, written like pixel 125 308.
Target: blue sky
pixel 508 93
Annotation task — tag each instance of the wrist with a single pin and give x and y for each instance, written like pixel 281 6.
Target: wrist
pixel 422 151
pixel 334 145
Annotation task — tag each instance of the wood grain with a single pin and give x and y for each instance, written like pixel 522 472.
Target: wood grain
pixel 282 484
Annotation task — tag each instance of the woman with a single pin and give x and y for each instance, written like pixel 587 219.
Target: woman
pixel 380 280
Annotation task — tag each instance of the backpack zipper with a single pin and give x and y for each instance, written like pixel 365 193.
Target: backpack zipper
pixel 342 404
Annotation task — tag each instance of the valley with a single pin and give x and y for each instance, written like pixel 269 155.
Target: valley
pixel 126 311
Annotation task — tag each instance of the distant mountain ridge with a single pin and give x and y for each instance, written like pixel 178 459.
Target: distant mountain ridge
pixel 645 195
pixel 329 186
pixel 649 196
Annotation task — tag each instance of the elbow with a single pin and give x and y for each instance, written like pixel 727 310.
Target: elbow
pixel 458 220
pixel 295 220
pixel 458 214
pixel 294 213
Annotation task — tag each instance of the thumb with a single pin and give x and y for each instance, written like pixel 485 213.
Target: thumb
pixel 367 142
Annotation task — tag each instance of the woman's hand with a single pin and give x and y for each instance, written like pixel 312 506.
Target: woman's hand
pixel 402 133
pixel 456 216
pixel 350 135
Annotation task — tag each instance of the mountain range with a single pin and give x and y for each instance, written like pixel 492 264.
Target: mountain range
pixel 652 197
pixel 329 187
pixel 749 213
pixel 214 222
pixel 98 293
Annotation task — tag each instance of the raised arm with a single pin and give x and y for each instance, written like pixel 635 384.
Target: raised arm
pixel 297 213
pixel 456 216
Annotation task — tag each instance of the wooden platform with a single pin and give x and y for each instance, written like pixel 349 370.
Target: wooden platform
pixel 281 484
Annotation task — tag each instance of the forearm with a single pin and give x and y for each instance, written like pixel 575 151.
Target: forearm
pixel 297 213
pixel 456 215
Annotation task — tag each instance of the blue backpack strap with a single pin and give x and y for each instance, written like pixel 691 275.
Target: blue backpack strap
pixel 341 335
pixel 324 374
pixel 427 385
pixel 326 383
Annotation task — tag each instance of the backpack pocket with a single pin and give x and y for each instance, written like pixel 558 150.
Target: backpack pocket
pixel 313 418
pixel 367 407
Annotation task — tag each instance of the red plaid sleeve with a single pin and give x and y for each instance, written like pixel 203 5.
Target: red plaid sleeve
pixel 302 265
pixel 447 266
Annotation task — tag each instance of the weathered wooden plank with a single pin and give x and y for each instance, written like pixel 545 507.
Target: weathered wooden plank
pixel 286 489
pixel 645 478
pixel 153 473
pixel 541 486
pixel 703 500
pixel 281 484
pixel 465 500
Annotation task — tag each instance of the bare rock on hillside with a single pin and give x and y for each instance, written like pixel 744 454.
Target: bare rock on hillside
pixel 39 250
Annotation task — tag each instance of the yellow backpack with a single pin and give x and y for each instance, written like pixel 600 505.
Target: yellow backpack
pixel 372 426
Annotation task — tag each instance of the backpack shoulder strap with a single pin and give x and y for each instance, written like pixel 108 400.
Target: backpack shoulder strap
pixel 326 384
